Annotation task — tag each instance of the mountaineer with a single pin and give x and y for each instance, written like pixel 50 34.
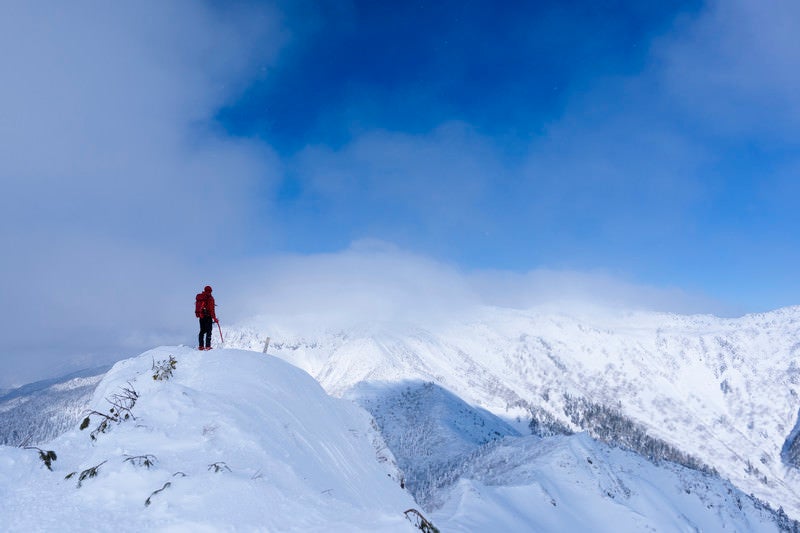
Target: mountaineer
pixel 204 310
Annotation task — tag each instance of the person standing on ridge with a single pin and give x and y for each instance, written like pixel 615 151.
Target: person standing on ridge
pixel 204 310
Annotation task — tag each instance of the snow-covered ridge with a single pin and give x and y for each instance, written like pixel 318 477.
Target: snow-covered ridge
pixel 77 383
pixel 724 391
pixel 234 440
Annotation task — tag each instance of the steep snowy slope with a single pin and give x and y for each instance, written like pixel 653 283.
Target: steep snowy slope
pixel 233 440
pixel 467 467
pixel 723 391
pixel 429 430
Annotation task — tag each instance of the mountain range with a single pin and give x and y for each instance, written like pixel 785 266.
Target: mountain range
pixel 533 419
pixel 711 393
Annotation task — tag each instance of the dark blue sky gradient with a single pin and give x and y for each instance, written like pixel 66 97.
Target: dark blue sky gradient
pixel 503 67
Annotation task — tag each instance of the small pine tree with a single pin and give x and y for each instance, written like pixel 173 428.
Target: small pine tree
pixel 162 370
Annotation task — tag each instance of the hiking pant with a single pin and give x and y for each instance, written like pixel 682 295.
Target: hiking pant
pixel 206 325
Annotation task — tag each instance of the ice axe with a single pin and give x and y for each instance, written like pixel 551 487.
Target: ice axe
pixel 220 331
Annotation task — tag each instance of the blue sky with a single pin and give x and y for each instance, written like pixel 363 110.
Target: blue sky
pixel 557 134
pixel 504 68
pixel 452 152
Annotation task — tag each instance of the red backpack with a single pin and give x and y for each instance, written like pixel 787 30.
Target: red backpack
pixel 200 307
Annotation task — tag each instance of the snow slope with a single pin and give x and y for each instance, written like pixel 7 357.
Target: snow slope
pixel 237 441
pixel 477 474
pixel 723 391
pixel 577 484
pixel 429 430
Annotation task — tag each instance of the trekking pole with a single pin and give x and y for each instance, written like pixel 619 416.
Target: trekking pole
pixel 220 333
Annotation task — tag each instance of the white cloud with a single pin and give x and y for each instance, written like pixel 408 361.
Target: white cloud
pixel 373 281
pixel 439 177
pixel 117 187
pixel 106 111
pixel 734 68
pixel 368 281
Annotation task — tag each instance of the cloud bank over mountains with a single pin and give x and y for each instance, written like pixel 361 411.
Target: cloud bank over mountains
pixel 669 185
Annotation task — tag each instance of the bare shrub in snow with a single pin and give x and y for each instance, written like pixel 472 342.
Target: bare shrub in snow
pixel 218 467
pixel 85 474
pixel 148 500
pixel 141 460
pixel 420 522
pixel 121 409
pixel 47 457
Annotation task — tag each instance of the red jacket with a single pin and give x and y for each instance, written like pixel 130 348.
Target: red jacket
pixel 204 305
